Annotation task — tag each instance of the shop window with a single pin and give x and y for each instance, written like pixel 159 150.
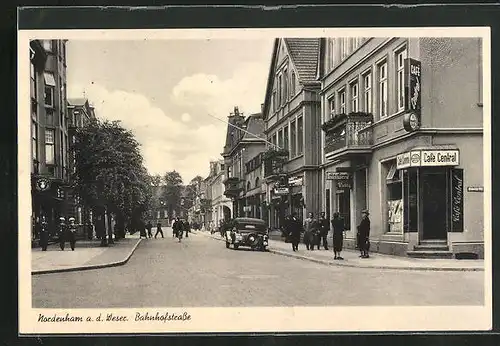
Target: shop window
pixel 344 207
pixel 410 206
pixel 394 200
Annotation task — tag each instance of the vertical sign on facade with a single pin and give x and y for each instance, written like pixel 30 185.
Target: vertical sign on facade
pixel 457 200
pixel 413 94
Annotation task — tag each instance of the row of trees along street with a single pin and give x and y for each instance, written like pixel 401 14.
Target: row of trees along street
pixel 174 194
pixel 110 177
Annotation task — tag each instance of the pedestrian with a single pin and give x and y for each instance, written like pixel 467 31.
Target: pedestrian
pixel 295 229
pixel 62 233
pixel 142 229
pixel 159 230
pixel 338 235
pixel 364 234
pixel 187 228
pixel 309 231
pixel 44 233
pixel 180 230
pixel 175 227
pixel 149 227
pixel 324 228
pixel 72 233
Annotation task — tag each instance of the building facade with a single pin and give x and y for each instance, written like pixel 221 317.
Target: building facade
pixel 402 129
pixel 244 142
pixel 49 132
pixel 292 124
pixel 220 204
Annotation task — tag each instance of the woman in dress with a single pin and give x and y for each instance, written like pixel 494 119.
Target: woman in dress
pixel 338 235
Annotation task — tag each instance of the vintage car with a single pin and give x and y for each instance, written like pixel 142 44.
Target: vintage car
pixel 245 231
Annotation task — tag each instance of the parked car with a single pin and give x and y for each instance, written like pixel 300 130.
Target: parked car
pixel 250 232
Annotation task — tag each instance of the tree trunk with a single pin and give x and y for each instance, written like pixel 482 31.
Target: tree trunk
pixel 110 228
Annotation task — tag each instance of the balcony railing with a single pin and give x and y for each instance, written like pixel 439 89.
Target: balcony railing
pixel 232 187
pixel 351 131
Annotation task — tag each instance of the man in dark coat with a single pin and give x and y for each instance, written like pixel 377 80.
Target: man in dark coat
pixel 295 229
pixel 149 227
pixel 187 228
pixel 62 233
pixel 364 234
pixel 338 235
pixel 324 228
pixel 176 226
pixel 159 230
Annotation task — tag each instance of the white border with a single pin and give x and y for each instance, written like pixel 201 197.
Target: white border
pixel 291 319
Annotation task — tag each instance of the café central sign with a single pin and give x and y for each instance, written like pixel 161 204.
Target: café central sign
pixel 428 158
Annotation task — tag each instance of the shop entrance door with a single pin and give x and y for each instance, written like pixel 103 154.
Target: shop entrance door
pixel 434 199
pixel 344 206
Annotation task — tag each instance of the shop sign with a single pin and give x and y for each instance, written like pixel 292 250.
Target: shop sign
pixel 440 158
pixel 338 176
pixel 42 184
pixel 413 99
pixel 475 189
pixel 343 184
pixel 295 181
pixel 408 159
pixel 280 191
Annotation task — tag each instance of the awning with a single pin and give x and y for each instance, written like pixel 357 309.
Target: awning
pixel 49 79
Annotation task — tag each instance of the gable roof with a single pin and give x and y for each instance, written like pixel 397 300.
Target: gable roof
pixel 304 55
pixel 254 123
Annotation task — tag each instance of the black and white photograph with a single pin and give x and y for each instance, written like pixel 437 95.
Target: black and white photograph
pixel 234 180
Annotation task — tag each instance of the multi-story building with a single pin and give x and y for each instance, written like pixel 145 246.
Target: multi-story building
pixel 292 124
pixel 244 142
pixel 220 204
pixel 80 113
pixel 403 137
pixel 255 188
pixel 49 131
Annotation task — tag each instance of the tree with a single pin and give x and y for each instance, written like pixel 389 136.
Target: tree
pixel 172 192
pixel 191 191
pixel 109 174
pixel 156 180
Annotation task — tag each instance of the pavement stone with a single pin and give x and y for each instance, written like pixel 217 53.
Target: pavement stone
pixel 376 260
pixel 87 255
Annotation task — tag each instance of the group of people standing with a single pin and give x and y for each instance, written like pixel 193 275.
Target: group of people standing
pixel 65 233
pixel 316 233
pixel 178 227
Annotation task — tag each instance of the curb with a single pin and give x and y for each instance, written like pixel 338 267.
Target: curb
pixel 89 267
pixel 345 264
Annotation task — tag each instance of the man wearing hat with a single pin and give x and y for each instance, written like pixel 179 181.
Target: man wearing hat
pixel 72 233
pixel 364 234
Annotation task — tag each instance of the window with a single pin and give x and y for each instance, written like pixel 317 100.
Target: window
pixel 48 45
pixel 285 85
pixel 34 141
pixel 274 139
pixel 331 54
pixel 300 136
pixel 342 101
pixel 49 147
pixel 400 67
pixel 257 182
pixel 32 81
pixel 49 96
pixel 280 138
pixel 285 138
pixel 249 186
pixel 292 85
pixel 293 138
pixel 273 101
pixel 367 83
pixel 280 90
pixel 332 110
pixel 49 117
pixel 344 48
pixel 354 97
pixel 382 89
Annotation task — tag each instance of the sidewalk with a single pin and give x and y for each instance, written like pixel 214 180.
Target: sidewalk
pixel 87 255
pixel 376 260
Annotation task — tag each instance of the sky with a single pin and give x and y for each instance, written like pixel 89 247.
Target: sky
pixel 166 90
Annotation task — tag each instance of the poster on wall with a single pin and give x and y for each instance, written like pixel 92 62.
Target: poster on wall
pixel 395 208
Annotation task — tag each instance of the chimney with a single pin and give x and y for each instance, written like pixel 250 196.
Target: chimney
pixel 262 108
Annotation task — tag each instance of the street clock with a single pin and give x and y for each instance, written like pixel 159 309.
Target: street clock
pixel 411 122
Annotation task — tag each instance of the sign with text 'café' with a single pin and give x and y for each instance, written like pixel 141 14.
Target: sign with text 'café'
pixel 338 176
pixel 428 158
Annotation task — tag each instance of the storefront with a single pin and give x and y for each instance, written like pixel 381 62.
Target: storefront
pixel 425 193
